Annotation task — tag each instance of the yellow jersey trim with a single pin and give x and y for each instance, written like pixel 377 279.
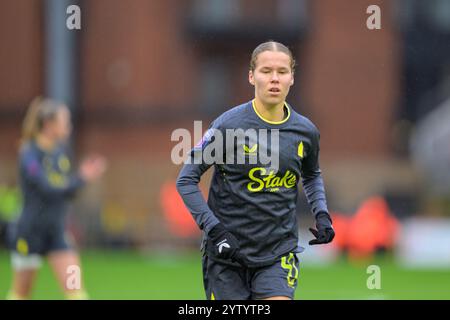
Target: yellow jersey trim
pixel 272 122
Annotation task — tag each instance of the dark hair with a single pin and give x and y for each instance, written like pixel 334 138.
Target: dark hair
pixel 271 46
pixel 39 111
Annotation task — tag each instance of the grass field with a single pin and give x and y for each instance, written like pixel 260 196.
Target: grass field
pixel 130 275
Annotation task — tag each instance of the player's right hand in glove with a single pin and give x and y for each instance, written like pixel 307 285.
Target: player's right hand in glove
pixel 226 246
pixel 325 232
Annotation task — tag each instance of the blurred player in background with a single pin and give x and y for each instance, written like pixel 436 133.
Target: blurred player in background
pixel 47 183
pixel 249 222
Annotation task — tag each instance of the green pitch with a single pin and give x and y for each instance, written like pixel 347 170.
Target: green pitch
pixel 130 275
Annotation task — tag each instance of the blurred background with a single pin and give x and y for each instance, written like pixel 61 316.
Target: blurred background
pixel 139 69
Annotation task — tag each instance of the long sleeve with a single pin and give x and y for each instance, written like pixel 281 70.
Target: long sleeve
pixel 34 173
pixel 312 178
pixel 187 183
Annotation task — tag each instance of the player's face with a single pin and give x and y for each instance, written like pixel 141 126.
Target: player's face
pixel 272 77
pixel 61 125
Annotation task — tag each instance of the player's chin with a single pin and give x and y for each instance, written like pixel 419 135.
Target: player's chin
pixel 274 99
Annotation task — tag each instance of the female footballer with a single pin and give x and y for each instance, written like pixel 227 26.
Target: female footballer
pixel 47 184
pixel 250 241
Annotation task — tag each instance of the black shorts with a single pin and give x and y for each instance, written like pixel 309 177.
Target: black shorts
pixel 40 241
pixel 225 282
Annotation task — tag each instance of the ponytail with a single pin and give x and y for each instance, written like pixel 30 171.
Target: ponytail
pixel 40 110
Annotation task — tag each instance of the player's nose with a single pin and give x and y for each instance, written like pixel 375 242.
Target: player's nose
pixel 274 77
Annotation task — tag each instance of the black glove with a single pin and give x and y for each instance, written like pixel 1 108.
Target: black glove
pixel 325 231
pixel 226 246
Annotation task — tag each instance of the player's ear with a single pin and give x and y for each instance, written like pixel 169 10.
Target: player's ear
pixel 250 78
pixel 292 79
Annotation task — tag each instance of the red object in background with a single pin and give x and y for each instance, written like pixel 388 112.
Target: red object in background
pixel 180 221
pixel 373 226
pixel 341 224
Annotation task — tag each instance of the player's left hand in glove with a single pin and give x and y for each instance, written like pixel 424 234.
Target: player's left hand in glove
pixel 325 232
pixel 226 246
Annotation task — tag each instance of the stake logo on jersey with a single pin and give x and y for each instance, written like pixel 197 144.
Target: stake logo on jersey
pixel 247 193
pixel 264 180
